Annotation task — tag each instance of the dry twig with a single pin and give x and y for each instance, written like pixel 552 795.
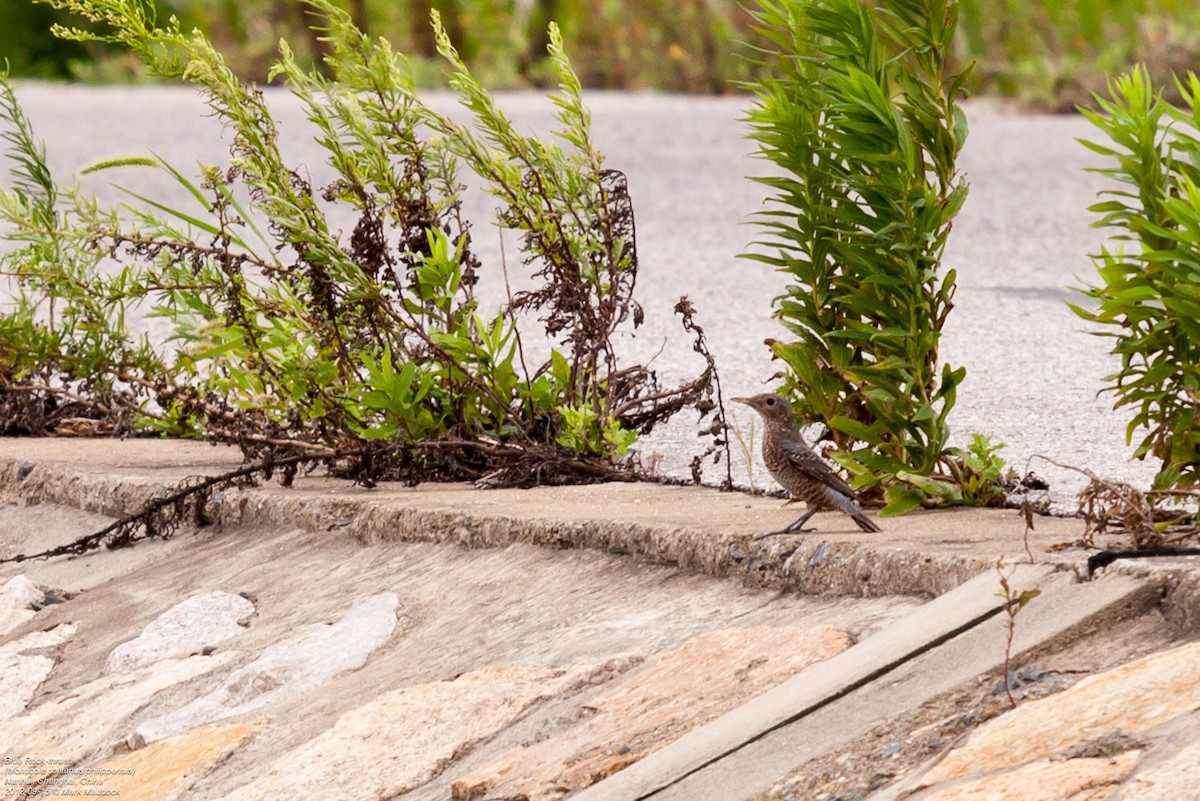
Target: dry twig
pixel 1105 505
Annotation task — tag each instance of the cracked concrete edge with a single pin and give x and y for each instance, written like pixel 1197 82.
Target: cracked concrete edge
pixel 1178 590
pixel 813 567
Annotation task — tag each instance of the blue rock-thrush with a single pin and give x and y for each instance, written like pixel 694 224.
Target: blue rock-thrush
pixel 798 470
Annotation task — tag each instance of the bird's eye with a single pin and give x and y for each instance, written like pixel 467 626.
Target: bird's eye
pixel 770 401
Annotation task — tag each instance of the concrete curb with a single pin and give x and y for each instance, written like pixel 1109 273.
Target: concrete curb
pixel 608 521
pixel 698 529
pixel 693 528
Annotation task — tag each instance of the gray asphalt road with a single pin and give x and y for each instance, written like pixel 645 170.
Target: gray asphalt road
pixel 1021 240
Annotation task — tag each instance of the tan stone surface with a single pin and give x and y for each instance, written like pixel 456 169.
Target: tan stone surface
pixel 311 657
pixel 1132 698
pixel 404 738
pixel 646 709
pixel 1065 780
pixel 168 769
pixel 1169 776
pixel 461 609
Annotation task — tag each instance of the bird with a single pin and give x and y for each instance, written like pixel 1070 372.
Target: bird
pixel 806 476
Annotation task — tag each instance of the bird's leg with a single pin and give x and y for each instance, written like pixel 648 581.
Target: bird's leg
pixel 798 526
pixel 795 528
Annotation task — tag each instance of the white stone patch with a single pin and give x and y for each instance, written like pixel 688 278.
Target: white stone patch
pixel 91 716
pixel 15 597
pixel 184 629
pixel 21 672
pixel 313 656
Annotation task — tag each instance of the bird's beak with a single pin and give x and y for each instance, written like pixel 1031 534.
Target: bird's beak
pixel 742 400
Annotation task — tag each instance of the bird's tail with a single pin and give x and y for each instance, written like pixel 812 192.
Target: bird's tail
pixel 848 506
pixel 864 522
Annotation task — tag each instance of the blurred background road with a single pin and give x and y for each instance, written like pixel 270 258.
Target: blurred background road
pixel 1021 241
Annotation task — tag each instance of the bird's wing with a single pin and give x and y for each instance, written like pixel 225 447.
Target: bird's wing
pixel 815 467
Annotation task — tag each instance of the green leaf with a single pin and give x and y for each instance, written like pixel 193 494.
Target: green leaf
pixel 854 428
pixel 941 490
pixel 901 499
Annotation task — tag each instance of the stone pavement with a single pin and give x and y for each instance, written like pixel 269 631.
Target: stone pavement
pixel 617 641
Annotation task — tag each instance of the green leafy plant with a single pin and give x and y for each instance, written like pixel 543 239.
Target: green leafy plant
pixel 981 472
pixel 1148 298
pixel 861 118
pixel 66 352
pixel 289 340
pixel 973 476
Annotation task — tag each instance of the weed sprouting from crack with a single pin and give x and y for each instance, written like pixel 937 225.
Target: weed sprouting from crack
pixel 1014 602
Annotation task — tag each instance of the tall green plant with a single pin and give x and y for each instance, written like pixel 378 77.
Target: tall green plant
pixel 861 118
pixel 1148 298
pixel 575 219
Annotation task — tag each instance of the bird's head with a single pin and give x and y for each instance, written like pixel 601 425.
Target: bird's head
pixel 773 408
